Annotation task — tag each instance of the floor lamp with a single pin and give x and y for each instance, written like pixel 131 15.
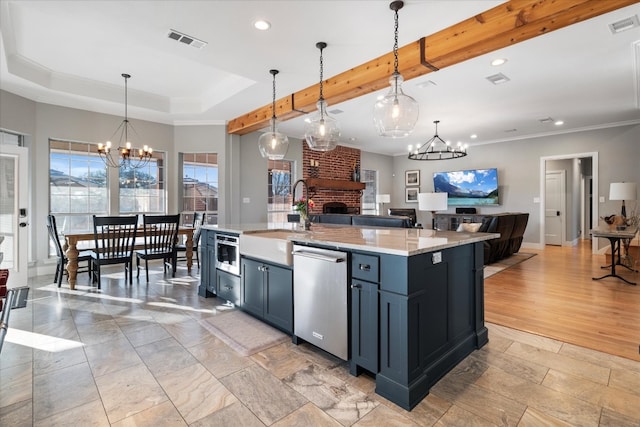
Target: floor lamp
pixel 432 202
pixel 623 191
pixel 382 199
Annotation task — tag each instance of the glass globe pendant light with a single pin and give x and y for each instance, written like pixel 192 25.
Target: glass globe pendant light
pixel 321 130
pixel 273 145
pixel 396 114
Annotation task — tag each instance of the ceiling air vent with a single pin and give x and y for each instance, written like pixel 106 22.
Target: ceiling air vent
pixel 624 24
pixel 188 40
pixel 499 78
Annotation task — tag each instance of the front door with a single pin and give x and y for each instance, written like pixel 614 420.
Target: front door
pixel 14 216
pixel 554 207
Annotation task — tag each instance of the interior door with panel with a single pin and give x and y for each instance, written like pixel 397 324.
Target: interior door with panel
pixel 14 215
pixel 554 207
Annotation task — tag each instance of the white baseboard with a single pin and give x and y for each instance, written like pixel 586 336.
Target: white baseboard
pixel 529 245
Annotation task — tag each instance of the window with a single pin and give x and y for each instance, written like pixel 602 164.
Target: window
pixel 142 190
pixel 370 178
pixel 200 186
pixel 77 185
pixel 279 191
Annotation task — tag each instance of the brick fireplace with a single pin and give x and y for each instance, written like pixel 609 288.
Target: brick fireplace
pixel 336 165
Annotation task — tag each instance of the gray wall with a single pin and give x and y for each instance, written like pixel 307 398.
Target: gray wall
pixel 518 164
pixel 253 177
pixel 243 172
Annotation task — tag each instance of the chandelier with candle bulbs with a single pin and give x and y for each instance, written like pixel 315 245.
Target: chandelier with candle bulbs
pixel 125 155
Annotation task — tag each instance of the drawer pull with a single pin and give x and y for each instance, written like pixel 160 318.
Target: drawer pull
pixel 356 286
pixel 365 267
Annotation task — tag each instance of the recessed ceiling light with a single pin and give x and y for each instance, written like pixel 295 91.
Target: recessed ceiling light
pixel 498 61
pixel 558 123
pixel 261 25
pixel 474 136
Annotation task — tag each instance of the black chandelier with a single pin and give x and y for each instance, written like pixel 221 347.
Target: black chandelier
pixel 437 149
pixel 125 156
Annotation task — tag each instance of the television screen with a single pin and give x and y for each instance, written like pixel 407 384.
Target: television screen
pixel 475 187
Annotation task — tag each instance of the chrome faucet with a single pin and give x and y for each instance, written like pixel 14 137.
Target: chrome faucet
pixel 307 223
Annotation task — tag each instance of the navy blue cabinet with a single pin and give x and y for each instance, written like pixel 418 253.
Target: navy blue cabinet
pixel 208 280
pixel 228 287
pixel 267 292
pixel 365 274
pixel 431 318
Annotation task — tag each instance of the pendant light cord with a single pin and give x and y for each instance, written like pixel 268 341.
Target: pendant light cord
pixel 273 106
pixel 395 43
pixel 321 74
pixel 321 46
pixel 126 103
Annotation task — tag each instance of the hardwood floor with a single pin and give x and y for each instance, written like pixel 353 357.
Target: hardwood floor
pixel 553 294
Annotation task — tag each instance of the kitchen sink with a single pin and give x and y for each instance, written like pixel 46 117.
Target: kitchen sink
pixel 269 245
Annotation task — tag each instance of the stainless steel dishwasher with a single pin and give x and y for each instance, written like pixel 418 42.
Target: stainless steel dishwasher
pixel 320 299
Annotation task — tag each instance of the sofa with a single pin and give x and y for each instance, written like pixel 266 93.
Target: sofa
pixel 511 226
pixel 410 212
pixel 363 220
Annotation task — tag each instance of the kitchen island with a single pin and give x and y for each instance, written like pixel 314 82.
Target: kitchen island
pixel 416 297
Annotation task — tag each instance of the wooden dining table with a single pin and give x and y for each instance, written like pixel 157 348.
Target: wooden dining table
pixel 72 238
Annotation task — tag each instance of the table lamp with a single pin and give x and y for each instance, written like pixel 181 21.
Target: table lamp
pixel 382 199
pixel 623 191
pixel 432 202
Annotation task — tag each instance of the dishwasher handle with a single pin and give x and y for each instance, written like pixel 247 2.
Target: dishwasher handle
pixel 321 257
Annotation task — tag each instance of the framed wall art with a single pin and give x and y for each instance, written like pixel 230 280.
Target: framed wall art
pixel 411 194
pixel 412 178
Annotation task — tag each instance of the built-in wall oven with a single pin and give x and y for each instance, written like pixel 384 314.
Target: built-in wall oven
pixel 228 253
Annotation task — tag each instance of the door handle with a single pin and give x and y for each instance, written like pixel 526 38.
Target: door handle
pixel 557 213
pixel 23 224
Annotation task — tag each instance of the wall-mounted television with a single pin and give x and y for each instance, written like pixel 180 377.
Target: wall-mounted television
pixel 473 187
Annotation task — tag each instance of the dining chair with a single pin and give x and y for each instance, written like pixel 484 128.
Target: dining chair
pixel 115 238
pixel 62 256
pixel 160 238
pixel 198 220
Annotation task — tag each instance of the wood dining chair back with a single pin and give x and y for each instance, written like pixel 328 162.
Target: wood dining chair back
pixel 160 238
pixel 62 256
pixel 114 238
pixel 198 221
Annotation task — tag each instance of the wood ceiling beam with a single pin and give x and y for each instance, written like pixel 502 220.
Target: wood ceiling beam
pixel 504 25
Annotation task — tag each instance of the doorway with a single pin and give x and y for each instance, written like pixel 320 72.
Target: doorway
pixel 580 198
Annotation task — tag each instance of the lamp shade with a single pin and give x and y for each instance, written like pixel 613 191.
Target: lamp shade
pixel 432 201
pixel 383 198
pixel 623 191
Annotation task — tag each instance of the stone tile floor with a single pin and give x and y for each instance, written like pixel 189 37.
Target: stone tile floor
pixel 136 355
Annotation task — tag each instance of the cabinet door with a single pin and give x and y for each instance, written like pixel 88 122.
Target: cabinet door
pixel 228 286
pixel 252 286
pixel 364 325
pixel 278 301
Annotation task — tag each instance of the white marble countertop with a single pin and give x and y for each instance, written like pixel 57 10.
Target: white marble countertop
pixel 396 241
